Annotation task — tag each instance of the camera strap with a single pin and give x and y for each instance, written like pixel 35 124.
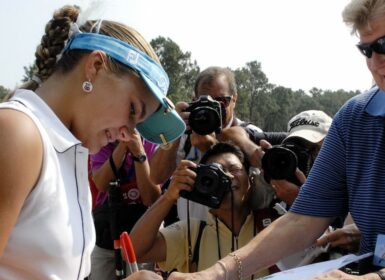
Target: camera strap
pixel 113 167
pixel 193 265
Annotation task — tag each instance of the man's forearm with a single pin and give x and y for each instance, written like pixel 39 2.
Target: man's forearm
pixel 280 239
pixel 163 163
pixel 145 232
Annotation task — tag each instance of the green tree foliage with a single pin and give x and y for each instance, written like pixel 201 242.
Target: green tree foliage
pixel 330 101
pixel 271 106
pixel 181 70
pixel 28 72
pixel 4 92
pixel 252 85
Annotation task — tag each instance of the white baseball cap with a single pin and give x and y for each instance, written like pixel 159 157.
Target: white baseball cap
pixel 312 125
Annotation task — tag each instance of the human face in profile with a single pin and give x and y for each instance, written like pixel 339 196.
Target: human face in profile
pixel 239 179
pixel 119 103
pixel 376 63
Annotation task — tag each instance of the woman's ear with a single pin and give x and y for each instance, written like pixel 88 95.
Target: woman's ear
pixel 95 61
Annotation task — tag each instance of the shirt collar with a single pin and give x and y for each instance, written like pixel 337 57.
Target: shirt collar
pixel 62 139
pixel 376 105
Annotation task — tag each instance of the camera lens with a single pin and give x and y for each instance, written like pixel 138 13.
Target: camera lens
pixel 210 185
pixel 204 120
pixel 279 163
pixel 207 183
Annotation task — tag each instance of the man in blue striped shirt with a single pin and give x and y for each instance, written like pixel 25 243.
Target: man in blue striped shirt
pixel 348 174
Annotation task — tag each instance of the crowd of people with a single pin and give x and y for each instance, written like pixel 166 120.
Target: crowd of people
pixel 248 203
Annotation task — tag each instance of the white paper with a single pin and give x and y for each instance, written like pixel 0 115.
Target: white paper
pixel 313 270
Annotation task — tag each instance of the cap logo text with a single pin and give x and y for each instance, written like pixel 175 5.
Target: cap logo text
pixel 303 121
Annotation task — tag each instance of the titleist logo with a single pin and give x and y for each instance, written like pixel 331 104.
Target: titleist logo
pixel 299 122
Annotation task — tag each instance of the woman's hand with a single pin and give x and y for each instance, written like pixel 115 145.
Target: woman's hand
pixel 144 275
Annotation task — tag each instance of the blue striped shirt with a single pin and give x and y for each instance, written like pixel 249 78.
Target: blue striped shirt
pixel 349 172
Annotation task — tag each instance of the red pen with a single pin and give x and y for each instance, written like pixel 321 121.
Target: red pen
pixel 128 251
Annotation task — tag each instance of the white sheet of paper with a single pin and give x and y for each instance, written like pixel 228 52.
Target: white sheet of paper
pixel 312 270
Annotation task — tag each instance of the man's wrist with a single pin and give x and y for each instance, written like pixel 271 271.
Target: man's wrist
pixel 169 198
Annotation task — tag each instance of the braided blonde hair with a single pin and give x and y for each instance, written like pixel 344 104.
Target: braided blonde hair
pixel 57 33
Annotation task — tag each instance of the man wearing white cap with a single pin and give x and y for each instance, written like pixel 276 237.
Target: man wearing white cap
pixel 312 125
pixel 307 131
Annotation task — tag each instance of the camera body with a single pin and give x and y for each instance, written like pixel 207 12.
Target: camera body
pixel 281 161
pixel 210 186
pixel 206 115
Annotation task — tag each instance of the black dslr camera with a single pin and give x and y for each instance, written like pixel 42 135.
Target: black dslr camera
pixel 210 186
pixel 281 161
pixel 206 115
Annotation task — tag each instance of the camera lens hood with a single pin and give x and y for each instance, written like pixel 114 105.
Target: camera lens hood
pixel 279 163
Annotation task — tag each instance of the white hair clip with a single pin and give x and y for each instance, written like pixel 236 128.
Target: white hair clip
pixel 74 29
pixel 95 9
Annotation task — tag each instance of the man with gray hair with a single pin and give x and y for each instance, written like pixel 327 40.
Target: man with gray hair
pixel 348 174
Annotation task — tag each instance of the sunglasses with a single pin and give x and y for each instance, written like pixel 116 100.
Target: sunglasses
pixel 225 100
pixel 378 46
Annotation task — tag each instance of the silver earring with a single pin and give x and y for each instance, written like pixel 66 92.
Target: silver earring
pixel 87 86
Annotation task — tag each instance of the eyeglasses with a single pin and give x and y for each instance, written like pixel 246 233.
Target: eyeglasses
pixel 225 100
pixel 377 46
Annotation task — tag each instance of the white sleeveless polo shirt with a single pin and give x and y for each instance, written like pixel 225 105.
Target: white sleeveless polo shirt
pixel 54 234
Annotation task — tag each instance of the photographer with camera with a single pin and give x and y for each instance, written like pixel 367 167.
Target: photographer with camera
pixel 222 181
pixel 127 162
pixel 211 111
pixel 287 165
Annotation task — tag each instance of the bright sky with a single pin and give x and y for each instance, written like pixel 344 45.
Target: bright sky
pixel 300 43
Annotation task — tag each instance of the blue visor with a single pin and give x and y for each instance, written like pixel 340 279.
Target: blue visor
pixel 163 126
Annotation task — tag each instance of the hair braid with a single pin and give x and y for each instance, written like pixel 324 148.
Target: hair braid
pixel 52 42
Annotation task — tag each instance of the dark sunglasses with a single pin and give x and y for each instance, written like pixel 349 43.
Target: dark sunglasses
pixel 225 100
pixel 377 46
